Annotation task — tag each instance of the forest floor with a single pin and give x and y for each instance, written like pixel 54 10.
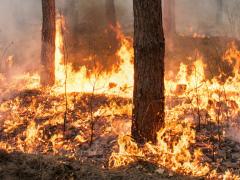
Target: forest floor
pixel 92 160
pixel 43 155
pixel 38 167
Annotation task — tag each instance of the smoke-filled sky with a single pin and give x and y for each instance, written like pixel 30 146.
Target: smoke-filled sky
pixel 20 21
pixel 20 24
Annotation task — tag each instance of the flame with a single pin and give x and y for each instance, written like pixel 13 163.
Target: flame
pixel 174 149
pixel 98 82
pixel 174 155
pixel 230 176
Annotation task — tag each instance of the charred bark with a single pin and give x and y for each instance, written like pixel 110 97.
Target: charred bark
pixel 48 43
pixel 149 50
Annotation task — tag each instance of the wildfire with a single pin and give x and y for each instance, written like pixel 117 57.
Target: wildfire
pixel 97 82
pixel 174 155
pixel 198 99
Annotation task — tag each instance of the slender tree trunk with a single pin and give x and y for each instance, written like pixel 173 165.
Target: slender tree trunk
pixel 111 13
pixel 219 11
pixel 71 12
pixel 149 45
pixel 48 43
pixel 169 16
pixel 113 43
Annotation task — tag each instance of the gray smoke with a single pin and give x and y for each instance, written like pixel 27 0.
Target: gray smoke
pixel 202 16
pixel 20 22
pixel 20 27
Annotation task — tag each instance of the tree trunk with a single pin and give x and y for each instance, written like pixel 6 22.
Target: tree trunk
pixel 113 43
pixel 111 13
pixel 48 43
pixel 169 17
pixel 149 50
pixel 219 11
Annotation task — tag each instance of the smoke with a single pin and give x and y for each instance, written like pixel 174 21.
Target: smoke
pixel 203 17
pixel 20 31
pixel 20 27
pixel 89 32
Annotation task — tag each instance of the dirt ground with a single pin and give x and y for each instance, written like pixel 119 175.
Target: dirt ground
pixel 37 167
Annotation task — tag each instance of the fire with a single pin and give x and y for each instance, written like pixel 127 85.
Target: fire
pixel 197 92
pixel 190 98
pixel 228 175
pixel 174 155
pixel 97 82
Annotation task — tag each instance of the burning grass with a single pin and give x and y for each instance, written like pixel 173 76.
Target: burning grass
pixel 200 114
pixel 32 122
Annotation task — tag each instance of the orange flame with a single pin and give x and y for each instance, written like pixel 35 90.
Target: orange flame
pixel 173 149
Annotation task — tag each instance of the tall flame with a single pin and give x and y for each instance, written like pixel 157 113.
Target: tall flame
pixel 99 82
pixel 173 150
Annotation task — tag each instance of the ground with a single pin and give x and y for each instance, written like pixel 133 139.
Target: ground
pixel 41 151
pixel 35 167
pixel 32 129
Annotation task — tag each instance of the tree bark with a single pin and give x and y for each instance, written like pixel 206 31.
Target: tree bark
pixel 48 43
pixel 169 16
pixel 149 50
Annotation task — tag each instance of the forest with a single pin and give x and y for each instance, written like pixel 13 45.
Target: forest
pixel 112 89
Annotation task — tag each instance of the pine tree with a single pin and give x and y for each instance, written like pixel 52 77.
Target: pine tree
pixel 149 49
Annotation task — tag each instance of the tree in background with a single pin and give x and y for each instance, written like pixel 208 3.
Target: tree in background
pixel 149 50
pixel 48 43
pixel 169 16
pixel 112 25
pixel 219 11
pixel 111 13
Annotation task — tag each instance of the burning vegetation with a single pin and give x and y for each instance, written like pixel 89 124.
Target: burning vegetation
pixel 80 126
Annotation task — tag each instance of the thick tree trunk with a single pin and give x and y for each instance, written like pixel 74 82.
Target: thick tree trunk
pixel 48 43
pixel 149 45
pixel 169 16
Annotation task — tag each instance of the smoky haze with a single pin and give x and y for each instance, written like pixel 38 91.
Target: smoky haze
pixel 201 16
pixel 20 22
pixel 20 26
